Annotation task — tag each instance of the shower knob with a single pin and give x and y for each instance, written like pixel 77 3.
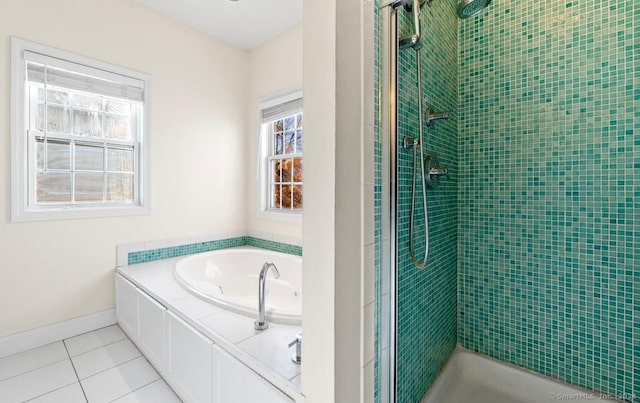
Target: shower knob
pixel 433 172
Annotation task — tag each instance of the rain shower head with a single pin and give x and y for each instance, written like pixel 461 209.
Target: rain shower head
pixel 469 8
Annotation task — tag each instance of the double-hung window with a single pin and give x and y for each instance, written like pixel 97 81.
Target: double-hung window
pixel 79 141
pixel 282 138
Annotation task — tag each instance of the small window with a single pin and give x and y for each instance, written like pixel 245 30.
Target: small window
pixel 79 136
pixel 282 139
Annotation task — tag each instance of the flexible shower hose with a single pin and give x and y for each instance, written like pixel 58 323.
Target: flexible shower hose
pixel 420 264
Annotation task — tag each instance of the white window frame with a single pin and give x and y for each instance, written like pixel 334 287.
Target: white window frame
pixel 264 159
pixel 22 187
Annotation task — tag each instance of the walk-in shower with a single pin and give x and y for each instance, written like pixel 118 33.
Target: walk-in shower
pixel 526 257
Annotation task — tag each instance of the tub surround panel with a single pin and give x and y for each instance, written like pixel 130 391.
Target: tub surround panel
pixel 549 189
pixel 232 332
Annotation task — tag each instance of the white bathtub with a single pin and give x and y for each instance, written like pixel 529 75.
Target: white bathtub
pixel 229 278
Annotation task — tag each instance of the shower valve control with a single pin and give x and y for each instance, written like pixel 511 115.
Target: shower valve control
pixel 409 143
pixel 433 172
pixel 296 357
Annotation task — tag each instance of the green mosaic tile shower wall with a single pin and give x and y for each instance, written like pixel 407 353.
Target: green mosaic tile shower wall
pixel 426 328
pixel 377 205
pixel 549 191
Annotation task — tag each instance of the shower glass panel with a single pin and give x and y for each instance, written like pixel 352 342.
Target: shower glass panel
pixel 416 309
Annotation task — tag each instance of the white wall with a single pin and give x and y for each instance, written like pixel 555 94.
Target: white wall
pixel 338 231
pixel 275 66
pixel 57 270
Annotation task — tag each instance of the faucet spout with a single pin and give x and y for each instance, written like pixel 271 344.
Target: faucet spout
pixel 262 323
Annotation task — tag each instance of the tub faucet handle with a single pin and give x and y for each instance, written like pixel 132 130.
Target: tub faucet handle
pixel 297 355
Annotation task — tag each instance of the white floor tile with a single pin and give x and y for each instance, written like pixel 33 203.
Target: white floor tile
pixel 119 381
pixel 102 358
pixel 231 326
pixel 68 394
pixel 156 392
pixel 37 382
pixel 32 359
pixel 192 306
pixel 98 338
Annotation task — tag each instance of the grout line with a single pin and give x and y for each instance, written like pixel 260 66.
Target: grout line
pixel 134 390
pixel 51 391
pixel 115 366
pixel 147 384
pixel 103 345
pixel 75 372
pixel 34 369
pixel 99 347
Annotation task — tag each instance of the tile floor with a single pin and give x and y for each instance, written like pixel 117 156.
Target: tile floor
pixel 95 367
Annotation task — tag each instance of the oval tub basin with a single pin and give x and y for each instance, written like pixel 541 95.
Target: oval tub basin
pixel 228 278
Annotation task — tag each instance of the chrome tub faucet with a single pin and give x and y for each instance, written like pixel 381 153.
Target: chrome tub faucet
pixel 262 323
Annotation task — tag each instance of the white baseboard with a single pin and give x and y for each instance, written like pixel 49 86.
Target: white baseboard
pixel 23 341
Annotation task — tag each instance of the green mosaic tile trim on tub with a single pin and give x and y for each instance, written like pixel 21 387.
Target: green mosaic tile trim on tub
pixel 183 250
pixel 274 246
pixel 549 194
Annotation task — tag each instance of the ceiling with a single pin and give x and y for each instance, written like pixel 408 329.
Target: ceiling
pixel 243 23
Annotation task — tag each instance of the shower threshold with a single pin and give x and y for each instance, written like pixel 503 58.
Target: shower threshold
pixel 470 377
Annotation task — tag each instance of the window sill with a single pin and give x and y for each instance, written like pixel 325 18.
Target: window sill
pixel 281 215
pixel 72 213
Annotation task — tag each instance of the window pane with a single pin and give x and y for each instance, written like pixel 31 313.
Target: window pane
pixel 58 97
pixel 277 167
pixel 58 154
pixel 299 141
pixel 277 193
pixel 297 196
pixel 297 170
pixel 39 117
pixel 290 142
pixel 89 158
pixel 93 103
pixel 299 121
pixel 290 123
pixel 285 196
pixel 57 118
pixel 120 187
pixel 89 187
pixel 117 127
pixel 87 123
pixel 120 159
pixel 277 138
pixel 278 126
pixel 39 154
pixel 53 187
pixel 113 106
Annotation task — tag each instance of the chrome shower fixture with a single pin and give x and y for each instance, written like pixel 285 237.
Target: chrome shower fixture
pixel 469 8
pixel 432 116
pixel 413 40
pixel 397 3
